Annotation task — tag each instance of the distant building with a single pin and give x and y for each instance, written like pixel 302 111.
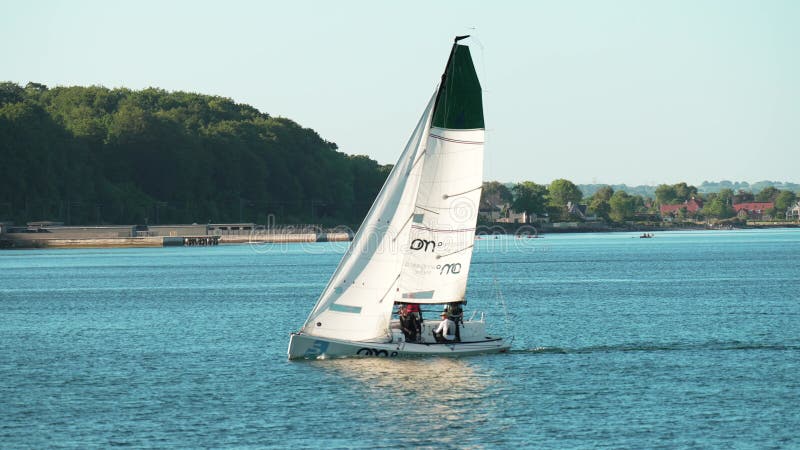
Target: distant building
pixel 690 206
pixel 580 211
pixel 177 230
pixel 753 210
pixel 793 212
pixel 515 217
pixel 42 224
pixel 229 229
pixel 490 213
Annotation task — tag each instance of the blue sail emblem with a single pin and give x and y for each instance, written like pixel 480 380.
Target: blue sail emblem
pixel 317 349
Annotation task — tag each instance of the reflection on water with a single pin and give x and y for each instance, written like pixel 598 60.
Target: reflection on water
pixel 449 398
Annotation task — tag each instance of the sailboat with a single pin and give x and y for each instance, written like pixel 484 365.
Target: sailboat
pixel 414 248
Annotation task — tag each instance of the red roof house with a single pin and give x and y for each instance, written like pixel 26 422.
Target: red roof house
pixel 692 206
pixel 753 210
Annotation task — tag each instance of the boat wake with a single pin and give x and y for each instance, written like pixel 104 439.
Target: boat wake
pixel 660 347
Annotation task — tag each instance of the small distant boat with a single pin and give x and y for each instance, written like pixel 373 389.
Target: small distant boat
pixel 414 248
pixel 646 236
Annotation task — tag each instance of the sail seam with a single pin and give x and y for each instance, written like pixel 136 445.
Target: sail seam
pixel 442 230
pixel 457 251
pixel 457 141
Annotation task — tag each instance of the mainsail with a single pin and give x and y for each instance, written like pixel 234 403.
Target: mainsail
pixel 415 244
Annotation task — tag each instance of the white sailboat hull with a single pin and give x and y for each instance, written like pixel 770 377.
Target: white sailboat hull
pixel 303 346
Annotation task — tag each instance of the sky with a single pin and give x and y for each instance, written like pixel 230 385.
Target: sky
pixel 635 92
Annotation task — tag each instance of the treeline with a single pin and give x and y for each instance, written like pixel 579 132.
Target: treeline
pixel 704 188
pixel 92 155
pixel 619 206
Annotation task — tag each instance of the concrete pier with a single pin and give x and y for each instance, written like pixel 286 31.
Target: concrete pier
pixel 58 236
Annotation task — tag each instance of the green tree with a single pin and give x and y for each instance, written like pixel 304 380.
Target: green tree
pixel 684 192
pixel 717 208
pixel 604 193
pixel 622 206
pixel 81 154
pixel 767 194
pixel 599 202
pixel 495 194
pixel 743 196
pixel 784 200
pixel 530 197
pixel 726 196
pixel 674 194
pixel 666 195
pixel 10 93
pixel 562 191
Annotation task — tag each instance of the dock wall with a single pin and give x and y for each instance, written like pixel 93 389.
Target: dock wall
pixel 42 240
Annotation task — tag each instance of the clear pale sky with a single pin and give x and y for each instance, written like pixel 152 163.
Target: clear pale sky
pixel 621 91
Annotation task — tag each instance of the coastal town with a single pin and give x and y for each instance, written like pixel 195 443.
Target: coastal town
pixel 562 206
pixel 551 209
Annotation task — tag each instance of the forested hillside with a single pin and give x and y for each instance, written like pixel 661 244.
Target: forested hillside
pixel 92 155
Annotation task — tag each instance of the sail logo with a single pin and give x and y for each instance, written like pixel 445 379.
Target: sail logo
pixel 423 244
pixel 449 268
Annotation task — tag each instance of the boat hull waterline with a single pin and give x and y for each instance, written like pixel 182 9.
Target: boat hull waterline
pixel 303 346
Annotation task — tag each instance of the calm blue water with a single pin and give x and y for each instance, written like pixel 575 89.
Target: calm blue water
pixel 686 340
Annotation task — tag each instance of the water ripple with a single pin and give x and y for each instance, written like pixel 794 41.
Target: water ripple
pixel 660 347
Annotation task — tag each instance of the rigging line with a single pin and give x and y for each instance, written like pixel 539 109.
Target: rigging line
pixel 403 227
pixel 453 253
pixel 426 209
pixel 446 196
pixel 383 297
pixel 419 158
pixel 499 295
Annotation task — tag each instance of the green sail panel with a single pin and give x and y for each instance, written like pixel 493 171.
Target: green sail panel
pixel 459 105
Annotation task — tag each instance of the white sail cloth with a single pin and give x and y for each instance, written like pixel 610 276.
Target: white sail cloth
pixel 357 303
pixel 437 260
pixel 415 244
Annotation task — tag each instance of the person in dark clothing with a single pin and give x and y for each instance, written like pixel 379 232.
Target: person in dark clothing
pixel 415 316
pixel 408 323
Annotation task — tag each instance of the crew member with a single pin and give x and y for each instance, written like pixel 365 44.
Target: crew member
pixel 446 331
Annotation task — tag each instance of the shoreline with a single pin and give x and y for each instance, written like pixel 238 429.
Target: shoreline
pixel 36 242
pixel 591 227
pixel 19 241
